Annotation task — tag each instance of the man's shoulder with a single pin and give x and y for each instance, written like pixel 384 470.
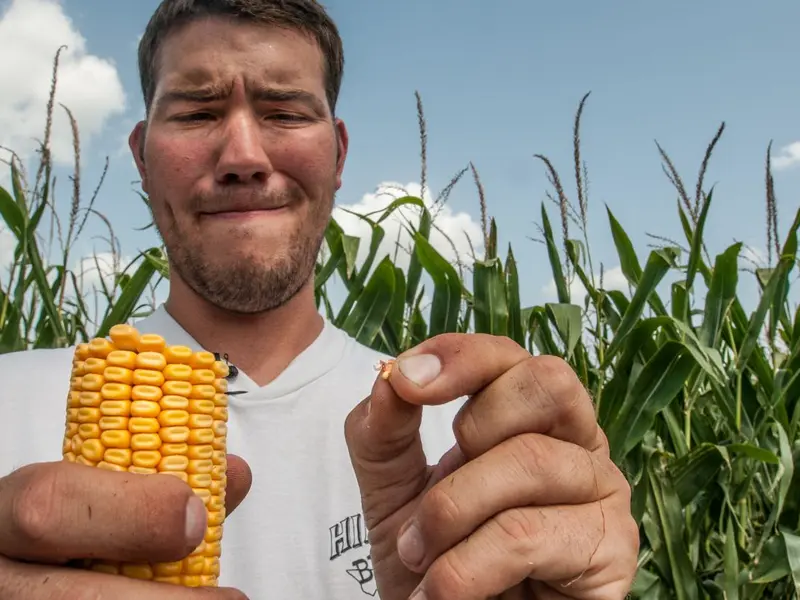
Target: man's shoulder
pixel 42 360
pixel 34 372
pixel 36 384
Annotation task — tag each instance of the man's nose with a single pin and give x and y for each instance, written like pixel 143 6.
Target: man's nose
pixel 243 156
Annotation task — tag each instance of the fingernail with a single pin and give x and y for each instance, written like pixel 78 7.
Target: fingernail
pixel 196 520
pixel 419 594
pixel 411 547
pixel 420 368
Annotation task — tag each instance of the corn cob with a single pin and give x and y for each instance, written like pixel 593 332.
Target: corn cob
pixel 139 405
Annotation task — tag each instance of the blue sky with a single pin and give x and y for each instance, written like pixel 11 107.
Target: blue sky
pixel 500 82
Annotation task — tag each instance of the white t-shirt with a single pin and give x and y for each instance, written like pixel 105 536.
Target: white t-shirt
pixel 300 531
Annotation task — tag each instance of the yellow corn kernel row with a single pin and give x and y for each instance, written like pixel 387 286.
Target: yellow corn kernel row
pixel 139 405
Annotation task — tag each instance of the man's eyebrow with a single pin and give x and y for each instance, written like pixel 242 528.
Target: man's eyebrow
pixel 268 94
pixel 205 93
pixel 265 94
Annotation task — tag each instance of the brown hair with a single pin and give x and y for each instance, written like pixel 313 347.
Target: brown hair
pixel 308 16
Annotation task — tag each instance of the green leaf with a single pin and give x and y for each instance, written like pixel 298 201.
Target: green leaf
pixel 792 543
pixel 555 259
pixel 692 473
pixel 43 287
pixel 490 302
pixel 680 302
pixel 756 323
pixel 540 332
pixel 12 214
pixel 366 319
pixel 657 266
pixel 761 454
pixel 350 246
pixel 731 563
pixel 667 514
pixel 515 318
pixel 772 563
pixel 697 242
pixel 356 285
pixel 721 294
pixel 447 288
pixel 657 385
pixel 643 583
pixel 628 261
pixel 567 320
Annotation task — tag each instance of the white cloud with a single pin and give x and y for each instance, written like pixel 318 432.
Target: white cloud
pixel 92 271
pixel 613 279
pixel 454 224
pixel 31 31
pixel 787 157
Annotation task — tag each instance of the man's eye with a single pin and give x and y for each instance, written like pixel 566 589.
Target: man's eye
pixel 193 117
pixel 288 117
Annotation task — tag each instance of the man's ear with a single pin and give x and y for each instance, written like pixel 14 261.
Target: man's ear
pixel 136 142
pixel 342 144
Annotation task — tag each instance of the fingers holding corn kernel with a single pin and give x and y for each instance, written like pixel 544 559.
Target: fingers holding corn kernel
pixel 139 405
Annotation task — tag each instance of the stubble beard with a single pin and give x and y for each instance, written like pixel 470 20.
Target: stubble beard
pixel 250 285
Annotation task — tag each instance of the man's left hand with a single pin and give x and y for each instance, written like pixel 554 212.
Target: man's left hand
pixel 527 505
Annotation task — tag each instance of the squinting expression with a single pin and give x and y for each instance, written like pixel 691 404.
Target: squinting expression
pixel 241 159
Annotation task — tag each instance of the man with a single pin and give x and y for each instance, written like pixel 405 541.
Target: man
pixel 241 155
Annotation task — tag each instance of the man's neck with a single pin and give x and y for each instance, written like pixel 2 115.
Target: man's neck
pixel 261 345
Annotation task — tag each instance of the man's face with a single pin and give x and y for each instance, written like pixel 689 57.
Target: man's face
pixel 241 159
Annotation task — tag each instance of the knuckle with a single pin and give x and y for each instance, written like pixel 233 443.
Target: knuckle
pixel 531 453
pixel 506 342
pixel 619 483
pixel 602 447
pixel 557 384
pixel 625 548
pixel 515 525
pixel 625 487
pixel 448 577
pixel 35 502
pixel 630 533
pixel 439 508
pixel 466 428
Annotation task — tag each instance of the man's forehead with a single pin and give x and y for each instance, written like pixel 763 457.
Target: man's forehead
pixel 215 40
pixel 197 70
pixel 224 76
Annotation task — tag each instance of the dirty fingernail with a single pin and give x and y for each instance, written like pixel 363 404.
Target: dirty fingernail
pixel 422 369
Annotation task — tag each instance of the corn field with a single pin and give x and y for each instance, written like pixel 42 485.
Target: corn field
pixel 699 397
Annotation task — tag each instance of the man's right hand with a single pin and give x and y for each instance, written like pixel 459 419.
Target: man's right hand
pixel 53 513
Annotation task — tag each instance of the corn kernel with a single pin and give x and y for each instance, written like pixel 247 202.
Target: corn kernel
pixel 122 358
pixel 150 342
pixel 118 375
pixel 178 354
pixel 178 372
pixel 124 337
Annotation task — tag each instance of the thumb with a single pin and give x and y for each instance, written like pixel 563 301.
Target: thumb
pixel 383 439
pixel 240 479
